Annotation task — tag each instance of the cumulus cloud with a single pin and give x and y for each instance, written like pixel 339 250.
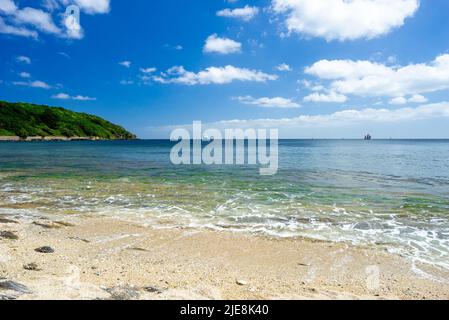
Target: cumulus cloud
pixel 404 121
pixel 16 31
pixel 61 96
pixel 83 98
pixel 148 70
pixel 246 14
pixel 24 59
pixel 212 75
pixel 351 116
pixel 215 44
pixel 398 100
pixel 87 6
pixel 326 97
pixel 94 6
pixel 283 67
pixel 265 102
pixel 417 98
pixel 26 22
pixel 126 64
pixel 24 75
pixel 33 84
pixel 342 19
pixel 7 6
pixel 370 79
pixel 39 19
pixel 65 96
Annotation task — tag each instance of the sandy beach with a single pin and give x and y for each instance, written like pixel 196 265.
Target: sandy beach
pixel 106 258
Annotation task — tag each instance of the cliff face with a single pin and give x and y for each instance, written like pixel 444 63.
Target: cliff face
pixel 24 121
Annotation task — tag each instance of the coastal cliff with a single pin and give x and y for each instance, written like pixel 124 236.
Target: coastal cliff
pixel 30 122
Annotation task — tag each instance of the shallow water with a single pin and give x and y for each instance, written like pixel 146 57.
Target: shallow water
pixel 391 193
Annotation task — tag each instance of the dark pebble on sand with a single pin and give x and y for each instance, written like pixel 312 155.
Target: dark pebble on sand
pixel 45 250
pixel 31 267
pixel 301 264
pixel 152 289
pixel 8 235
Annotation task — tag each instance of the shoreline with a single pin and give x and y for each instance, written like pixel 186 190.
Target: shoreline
pixel 55 139
pixel 107 258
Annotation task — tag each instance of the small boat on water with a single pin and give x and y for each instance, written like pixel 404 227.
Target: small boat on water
pixel 368 137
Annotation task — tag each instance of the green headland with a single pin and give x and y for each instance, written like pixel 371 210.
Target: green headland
pixel 25 121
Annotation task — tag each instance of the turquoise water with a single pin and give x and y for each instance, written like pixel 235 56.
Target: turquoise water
pixel 391 193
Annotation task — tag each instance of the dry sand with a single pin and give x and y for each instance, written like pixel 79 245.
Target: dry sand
pixel 106 258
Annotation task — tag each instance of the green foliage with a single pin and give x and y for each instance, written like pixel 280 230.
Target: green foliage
pixel 29 120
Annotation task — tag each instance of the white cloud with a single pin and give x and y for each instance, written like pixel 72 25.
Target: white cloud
pixel 398 101
pixel 352 116
pixel 7 6
pixel 246 14
pixel 61 96
pixel 83 98
pixel 343 19
pixel 126 64
pixel 215 44
pixel 24 75
pixel 94 6
pixel 331 97
pixel 41 20
pixel 369 79
pixel 39 84
pixel 276 102
pixel 65 96
pixel 52 5
pixel 87 6
pixel 33 84
pixel 352 123
pixel 16 31
pixel 283 67
pixel 148 70
pixel 212 75
pixel 37 18
pixel 311 86
pixel 417 98
pixel 23 59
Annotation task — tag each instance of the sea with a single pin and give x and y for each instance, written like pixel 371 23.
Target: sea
pixel 393 194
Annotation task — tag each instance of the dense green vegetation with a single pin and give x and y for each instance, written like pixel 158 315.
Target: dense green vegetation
pixel 30 120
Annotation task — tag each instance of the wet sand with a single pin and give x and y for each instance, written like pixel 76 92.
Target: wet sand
pixel 106 258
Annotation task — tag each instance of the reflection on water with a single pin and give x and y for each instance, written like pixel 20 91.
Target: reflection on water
pixel 393 193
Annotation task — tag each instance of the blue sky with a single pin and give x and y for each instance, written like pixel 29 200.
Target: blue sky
pixel 312 68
